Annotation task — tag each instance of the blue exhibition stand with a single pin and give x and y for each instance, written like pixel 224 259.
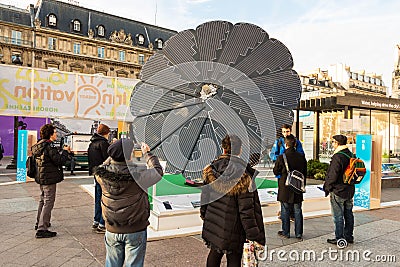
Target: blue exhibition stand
pixel 22 152
pixel 362 197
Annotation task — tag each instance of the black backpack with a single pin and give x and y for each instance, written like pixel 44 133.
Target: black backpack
pixel 31 167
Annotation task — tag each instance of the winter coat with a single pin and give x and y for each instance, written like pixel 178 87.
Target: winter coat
pixel 97 151
pixel 296 161
pixel 230 206
pixel 124 201
pixel 279 148
pixel 49 161
pixel 334 175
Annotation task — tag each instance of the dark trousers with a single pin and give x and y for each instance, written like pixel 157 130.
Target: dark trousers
pixel 72 164
pixel 98 218
pixel 233 259
pixel 298 218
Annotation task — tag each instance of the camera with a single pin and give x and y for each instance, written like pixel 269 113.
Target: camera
pixel 137 151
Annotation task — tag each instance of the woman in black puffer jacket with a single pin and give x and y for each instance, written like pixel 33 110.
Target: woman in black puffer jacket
pixel 230 206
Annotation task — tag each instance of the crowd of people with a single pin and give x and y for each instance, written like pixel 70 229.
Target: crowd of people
pixel 230 204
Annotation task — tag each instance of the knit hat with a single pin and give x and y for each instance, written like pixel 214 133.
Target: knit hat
pixel 103 129
pixel 341 139
pixel 121 150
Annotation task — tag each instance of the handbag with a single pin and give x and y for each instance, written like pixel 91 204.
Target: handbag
pixel 251 253
pixel 294 179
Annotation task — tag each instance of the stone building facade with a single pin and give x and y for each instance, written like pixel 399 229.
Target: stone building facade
pixel 72 38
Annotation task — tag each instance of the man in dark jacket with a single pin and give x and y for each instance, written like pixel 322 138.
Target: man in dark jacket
pixel 50 172
pixel 97 154
pixel 289 199
pixel 125 202
pixel 230 206
pixel 341 194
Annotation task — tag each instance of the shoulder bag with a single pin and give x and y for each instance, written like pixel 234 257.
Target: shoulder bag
pixel 295 179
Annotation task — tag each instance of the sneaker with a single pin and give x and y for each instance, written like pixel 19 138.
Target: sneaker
pixel 72 174
pixel 280 233
pixel 101 229
pixel 350 241
pixel 36 226
pixel 299 238
pixel 95 225
pixel 45 234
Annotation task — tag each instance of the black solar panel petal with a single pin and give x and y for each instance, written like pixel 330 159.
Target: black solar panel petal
pixel 215 80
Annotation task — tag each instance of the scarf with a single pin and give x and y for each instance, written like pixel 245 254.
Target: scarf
pixel 339 148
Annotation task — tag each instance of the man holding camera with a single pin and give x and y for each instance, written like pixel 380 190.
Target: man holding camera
pixel 49 172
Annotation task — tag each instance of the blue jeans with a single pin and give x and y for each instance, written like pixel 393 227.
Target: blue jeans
pixel 342 211
pixel 97 204
pixel 298 218
pixel 130 248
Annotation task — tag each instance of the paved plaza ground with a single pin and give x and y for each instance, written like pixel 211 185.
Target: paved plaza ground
pixel 377 233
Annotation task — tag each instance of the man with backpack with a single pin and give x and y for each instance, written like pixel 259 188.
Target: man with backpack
pixel 49 172
pixel 341 193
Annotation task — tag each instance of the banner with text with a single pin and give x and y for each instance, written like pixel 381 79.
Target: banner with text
pixel 43 93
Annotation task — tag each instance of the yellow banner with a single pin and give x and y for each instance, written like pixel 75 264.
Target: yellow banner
pixel 43 93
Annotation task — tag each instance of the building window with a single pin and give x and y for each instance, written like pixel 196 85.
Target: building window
pixel 77 48
pixel 52 20
pixel 101 31
pixel 159 43
pixel 141 59
pixel 100 52
pixel 77 25
pixel 122 55
pixel 52 43
pixel 140 39
pixel 16 37
pixel 16 58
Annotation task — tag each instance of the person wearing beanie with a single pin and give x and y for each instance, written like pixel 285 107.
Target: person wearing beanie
pixel 341 194
pixel 125 203
pixel 97 154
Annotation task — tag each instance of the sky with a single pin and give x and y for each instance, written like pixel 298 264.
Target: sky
pixel 318 33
